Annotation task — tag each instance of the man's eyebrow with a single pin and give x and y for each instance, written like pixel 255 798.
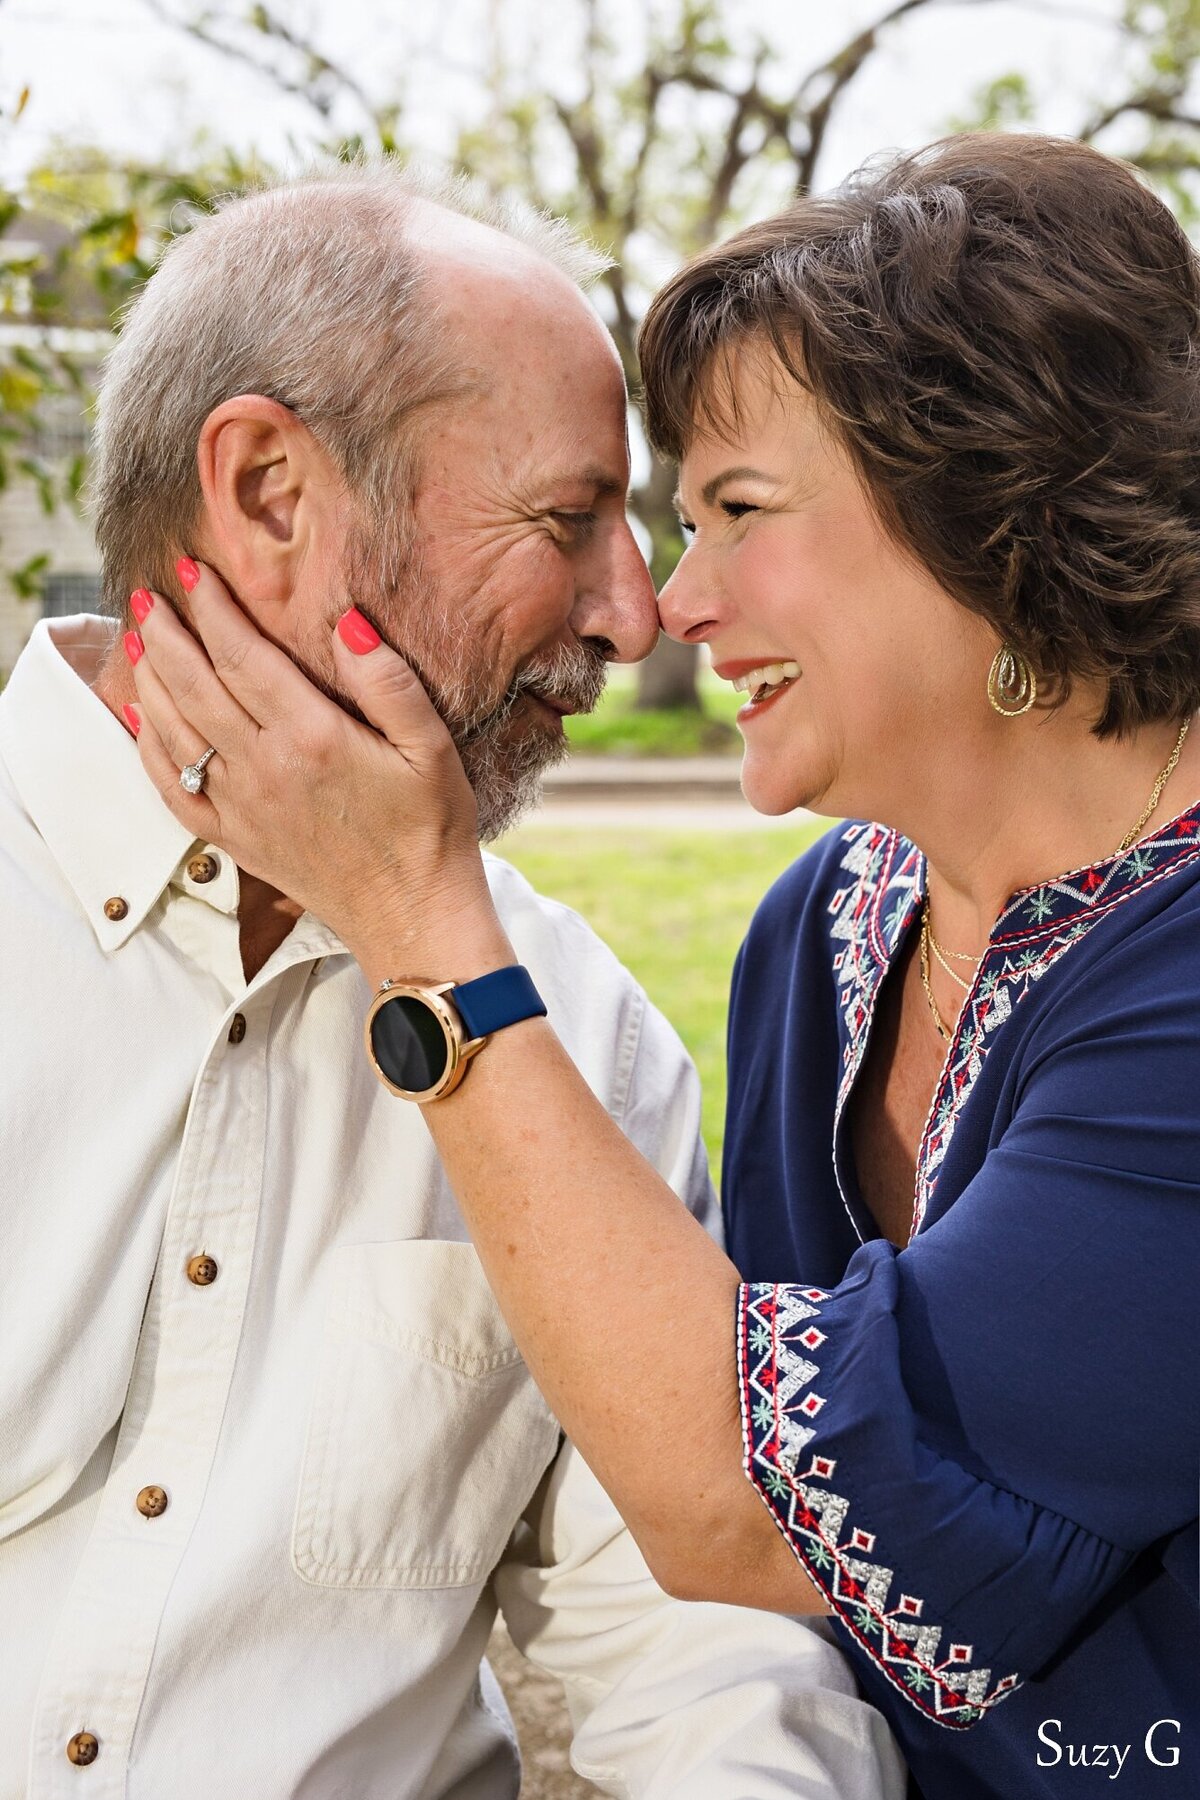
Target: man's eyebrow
pixel 604 481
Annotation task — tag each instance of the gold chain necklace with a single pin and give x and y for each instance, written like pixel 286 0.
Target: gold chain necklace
pixel 929 942
pixel 940 956
pixel 1135 831
pixel 943 1028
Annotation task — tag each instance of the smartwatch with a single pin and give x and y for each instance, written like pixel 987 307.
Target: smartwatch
pixel 421 1035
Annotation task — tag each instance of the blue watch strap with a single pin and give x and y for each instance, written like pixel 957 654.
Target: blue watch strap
pixel 493 1001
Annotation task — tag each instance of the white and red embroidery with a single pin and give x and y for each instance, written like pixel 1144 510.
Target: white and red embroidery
pixel 871 914
pixel 840 1556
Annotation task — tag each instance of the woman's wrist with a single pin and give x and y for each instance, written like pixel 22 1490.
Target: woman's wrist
pixel 457 938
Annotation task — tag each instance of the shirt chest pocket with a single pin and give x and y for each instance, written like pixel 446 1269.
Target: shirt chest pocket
pixel 427 1436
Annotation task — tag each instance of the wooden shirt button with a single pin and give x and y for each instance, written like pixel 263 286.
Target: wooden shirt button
pixel 202 1271
pixel 152 1502
pixel 83 1749
pixel 237 1028
pixel 115 909
pixel 203 868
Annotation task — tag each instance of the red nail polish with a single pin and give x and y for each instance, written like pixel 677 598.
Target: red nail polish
pixel 140 602
pixel 133 645
pixel 188 573
pixel 357 633
pixel 132 720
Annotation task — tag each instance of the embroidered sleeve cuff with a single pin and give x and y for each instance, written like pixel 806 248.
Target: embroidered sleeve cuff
pixel 807 1482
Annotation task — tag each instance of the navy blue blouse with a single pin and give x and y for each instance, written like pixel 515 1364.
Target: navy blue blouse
pixel 984 1448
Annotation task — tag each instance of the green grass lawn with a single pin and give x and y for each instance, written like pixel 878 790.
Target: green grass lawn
pixel 617 728
pixel 674 906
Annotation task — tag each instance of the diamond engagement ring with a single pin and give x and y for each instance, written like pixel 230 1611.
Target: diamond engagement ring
pixel 192 778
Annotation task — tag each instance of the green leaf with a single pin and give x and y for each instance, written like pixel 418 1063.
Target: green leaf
pixel 25 358
pixel 19 390
pixel 107 224
pixel 42 479
pixel 75 477
pixel 1004 102
pixel 26 582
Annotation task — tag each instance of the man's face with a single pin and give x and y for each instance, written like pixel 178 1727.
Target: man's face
pixel 525 580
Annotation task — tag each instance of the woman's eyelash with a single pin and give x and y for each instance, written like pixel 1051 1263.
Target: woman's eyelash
pixel 733 509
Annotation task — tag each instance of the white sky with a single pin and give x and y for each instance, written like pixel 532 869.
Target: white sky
pixel 104 72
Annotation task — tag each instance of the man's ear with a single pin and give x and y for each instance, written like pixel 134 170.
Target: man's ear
pixel 266 483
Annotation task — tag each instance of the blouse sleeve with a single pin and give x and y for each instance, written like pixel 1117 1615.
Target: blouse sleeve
pixel 967 1442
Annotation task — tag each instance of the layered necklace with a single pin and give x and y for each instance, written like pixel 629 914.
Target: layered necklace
pixel 931 950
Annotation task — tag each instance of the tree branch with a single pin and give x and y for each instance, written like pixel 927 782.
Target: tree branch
pixel 320 67
pixel 624 326
pixel 579 122
pixel 838 72
pixel 747 105
pixel 1162 160
pixel 586 146
pixel 1152 103
pixel 632 213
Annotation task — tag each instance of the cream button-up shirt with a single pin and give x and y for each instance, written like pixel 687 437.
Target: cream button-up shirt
pixel 269 1457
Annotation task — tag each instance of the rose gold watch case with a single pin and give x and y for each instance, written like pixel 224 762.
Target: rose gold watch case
pixel 459 1048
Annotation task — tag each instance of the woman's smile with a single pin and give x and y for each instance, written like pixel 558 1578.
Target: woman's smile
pixel 763 697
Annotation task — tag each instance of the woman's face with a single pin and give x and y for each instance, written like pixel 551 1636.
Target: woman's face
pixel 789 565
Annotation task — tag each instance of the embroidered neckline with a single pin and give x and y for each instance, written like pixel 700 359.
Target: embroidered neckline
pixel 870 917
pixel 1184 824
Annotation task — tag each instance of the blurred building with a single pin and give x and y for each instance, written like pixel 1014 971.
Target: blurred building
pixel 71 579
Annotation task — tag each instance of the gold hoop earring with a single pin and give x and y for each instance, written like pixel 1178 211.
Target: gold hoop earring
pixel 1012 684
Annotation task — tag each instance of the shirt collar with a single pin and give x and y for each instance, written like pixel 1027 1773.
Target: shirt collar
pixel 79 775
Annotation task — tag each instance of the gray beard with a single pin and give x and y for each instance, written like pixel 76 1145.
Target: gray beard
pixel 505 767
pixel 504 755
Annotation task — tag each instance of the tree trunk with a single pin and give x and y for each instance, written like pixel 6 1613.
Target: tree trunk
pixel 668 675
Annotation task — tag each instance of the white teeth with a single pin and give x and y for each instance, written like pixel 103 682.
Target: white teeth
pixel 771 675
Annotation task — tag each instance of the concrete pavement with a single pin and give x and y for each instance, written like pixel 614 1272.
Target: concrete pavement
pixel 651 793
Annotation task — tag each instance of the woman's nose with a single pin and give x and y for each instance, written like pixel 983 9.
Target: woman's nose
pixel 685 604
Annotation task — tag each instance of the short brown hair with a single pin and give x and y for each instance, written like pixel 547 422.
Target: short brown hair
pixel 1004 331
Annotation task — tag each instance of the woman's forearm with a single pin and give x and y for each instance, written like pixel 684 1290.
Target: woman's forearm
pixel 589 1252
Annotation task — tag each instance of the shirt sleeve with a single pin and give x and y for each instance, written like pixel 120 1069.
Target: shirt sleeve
pixel 968 1442
pixel 671 1700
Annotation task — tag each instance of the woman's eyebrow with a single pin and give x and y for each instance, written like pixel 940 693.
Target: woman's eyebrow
pixel 711 489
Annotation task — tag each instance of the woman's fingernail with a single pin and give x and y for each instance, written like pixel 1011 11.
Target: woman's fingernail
pixel 140 602
pixel 188 573
pixel 357 633
pixel 133 645
pixel 131 719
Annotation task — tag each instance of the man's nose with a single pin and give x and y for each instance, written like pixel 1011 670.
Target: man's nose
pixel 686 605
pixel 620 606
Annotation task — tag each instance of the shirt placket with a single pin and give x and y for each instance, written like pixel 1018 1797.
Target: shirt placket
pixel 97 1669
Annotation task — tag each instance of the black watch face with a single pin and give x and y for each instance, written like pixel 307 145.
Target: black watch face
pixel 409 1044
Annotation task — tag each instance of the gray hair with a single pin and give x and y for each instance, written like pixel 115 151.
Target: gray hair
pixel 306 291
